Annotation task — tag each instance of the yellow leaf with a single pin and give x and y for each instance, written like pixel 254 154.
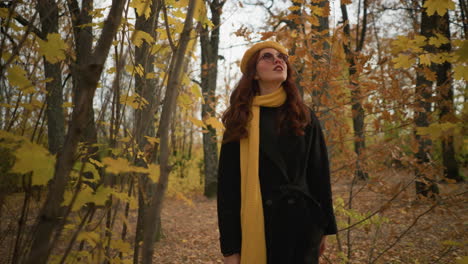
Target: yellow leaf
pixel 33 158
pixel 462 52
pixel 101 195
pixel 425 59
pixel 152 140
pixel 116 166
pixel 67 104
pixel 142 7
pixel 400 44
pixel 419 40
pixel 184 100
pixel 121 246
pixel 95 162
pixel 17 77
pixel 403 61
pixel 151 75
pixel 438 6
pixel 294 8
pixel 461 72
pixel 195 90
pixel 111 70
pixel 438 130
pixel 53 49
pixel 135 69
pixel 4 12
pixel 440 57
pixel 92 238
pixel 180 3
pixel 197 122
pixel 463 260
pixel 213 122
pixel 201 14
pixel 153 172
pixel 135 101
pixel 139 36
pixel 321 11
pixel 185 79
pixel 124 139
pixel 178 25
pixel 438 40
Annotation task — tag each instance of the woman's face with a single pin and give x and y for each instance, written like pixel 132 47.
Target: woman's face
pixel 271 66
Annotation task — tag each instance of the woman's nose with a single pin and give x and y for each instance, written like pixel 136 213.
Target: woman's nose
pixel 276 59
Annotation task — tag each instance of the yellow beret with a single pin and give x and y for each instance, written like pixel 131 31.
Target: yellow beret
pixel 259 46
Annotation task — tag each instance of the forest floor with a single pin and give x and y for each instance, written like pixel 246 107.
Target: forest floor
pixel 412 231
pixel 406 230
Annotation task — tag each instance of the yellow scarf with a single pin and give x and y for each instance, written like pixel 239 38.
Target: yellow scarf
pixel 253 234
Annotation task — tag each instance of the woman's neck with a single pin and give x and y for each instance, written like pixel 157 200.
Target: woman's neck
pixel 268 87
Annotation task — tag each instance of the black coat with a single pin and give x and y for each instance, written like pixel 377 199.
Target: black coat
pixel 296 193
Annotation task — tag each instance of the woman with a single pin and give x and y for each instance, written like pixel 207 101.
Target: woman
pixel 274 194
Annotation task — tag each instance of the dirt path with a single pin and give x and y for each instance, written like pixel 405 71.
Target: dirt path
pixel 190 232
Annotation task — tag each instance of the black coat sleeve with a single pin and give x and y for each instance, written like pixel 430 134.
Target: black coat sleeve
pixel 228 201
pixel 319 174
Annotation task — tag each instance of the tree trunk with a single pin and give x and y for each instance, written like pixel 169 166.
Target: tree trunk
pixel 48 13
pixel 296 25
pixel 424 186
pixel 51 216
pixel 144 117
pixel 154 209
pixel 464 13
pixel 323 58
pixel 356 96
pixel 209 66
pixel 446 107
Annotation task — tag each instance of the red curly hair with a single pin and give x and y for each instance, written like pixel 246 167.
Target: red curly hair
pixel 293 114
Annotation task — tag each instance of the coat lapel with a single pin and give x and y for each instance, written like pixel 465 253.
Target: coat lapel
pixel 269 146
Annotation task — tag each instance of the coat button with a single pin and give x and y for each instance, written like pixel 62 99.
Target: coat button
pixel 269 202
pixel 291 201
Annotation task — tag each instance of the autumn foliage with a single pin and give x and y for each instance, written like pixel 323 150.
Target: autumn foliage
pixel 100 123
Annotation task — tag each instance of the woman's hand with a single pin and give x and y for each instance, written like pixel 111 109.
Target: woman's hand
pixel 232 259
pixel 323 245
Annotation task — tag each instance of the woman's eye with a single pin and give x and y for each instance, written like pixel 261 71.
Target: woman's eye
pixel 267 56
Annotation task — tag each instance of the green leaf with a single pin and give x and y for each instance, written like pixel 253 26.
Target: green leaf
pixel 53 49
